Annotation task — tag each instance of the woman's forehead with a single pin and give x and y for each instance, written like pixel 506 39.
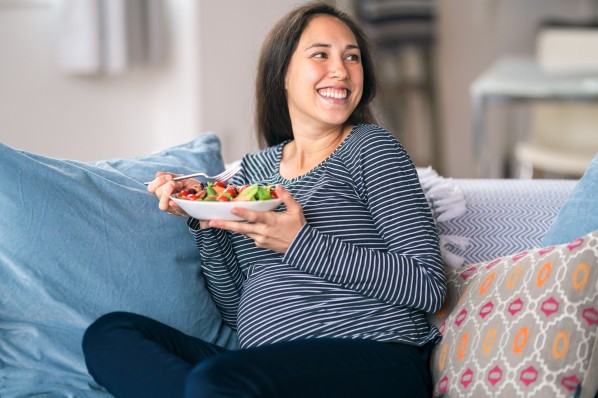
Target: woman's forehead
pixel 326 27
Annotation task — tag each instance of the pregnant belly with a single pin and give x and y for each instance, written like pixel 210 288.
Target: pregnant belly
pixel 280 303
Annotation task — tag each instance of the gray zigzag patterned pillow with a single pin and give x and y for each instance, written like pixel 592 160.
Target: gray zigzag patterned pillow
pixel 503 216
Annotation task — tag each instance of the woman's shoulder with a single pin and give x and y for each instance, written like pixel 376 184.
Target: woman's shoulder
pixel 270 152
pixel 262 162
pixel 368 136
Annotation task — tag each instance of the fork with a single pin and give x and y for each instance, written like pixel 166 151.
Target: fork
pixel 224 176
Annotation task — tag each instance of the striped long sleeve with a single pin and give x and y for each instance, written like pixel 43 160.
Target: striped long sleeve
pixel 366 264
pixel 224 277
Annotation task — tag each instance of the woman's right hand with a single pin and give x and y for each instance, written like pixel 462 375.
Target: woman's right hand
pixel 163 187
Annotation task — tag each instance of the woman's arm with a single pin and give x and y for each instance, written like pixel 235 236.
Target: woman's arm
pixel 391 277
pixel 410 272
pixel 224 278
pixel 223 275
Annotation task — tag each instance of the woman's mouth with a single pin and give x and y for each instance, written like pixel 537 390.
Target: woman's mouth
pixel 334 93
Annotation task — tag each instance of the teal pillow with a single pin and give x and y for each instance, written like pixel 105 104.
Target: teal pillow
pixel 78 240
pixel 579 214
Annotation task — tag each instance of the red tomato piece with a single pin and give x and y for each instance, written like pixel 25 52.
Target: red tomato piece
pixel 273 194
pixel 231 190
pixel 191 197
pixel 223 198
pixel 219 184
pixel 183 194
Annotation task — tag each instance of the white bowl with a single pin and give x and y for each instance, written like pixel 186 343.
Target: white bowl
pixel 212 210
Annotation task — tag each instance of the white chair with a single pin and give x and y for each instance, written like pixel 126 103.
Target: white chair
pixel 562 141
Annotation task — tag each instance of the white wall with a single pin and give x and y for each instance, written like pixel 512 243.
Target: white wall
pixel 207 83
pixel 231 33
pixel 47 111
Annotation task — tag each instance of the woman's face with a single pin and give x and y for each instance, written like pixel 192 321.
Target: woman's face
pixel 324 80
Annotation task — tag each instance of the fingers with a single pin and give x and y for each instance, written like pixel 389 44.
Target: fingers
pixel 250 215
pixel 163 187
pixel 164 196
pixel 161 179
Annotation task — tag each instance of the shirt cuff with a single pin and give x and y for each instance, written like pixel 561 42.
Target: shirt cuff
pixel 193 224
pixel 295 252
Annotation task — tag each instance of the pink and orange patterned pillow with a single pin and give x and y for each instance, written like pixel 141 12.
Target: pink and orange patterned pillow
pixel 522 325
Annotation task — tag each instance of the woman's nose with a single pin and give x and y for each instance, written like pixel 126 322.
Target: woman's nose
pixel 338 69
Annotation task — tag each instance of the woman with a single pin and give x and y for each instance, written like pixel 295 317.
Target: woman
pixel 329 293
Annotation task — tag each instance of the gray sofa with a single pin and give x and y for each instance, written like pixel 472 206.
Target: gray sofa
pixel 88 239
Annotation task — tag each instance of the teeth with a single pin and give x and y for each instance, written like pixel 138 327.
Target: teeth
pixel 333 93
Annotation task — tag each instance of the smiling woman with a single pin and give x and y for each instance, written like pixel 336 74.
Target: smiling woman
pixel 329 293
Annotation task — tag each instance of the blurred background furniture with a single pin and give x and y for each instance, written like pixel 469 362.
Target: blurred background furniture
pixel 562 140
pixel 563 137
pixel 404 34
pixel 562 96
pixel 516 79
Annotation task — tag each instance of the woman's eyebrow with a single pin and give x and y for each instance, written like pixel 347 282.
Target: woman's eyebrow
pixel 325 45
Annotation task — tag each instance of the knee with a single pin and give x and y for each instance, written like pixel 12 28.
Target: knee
pixel 97 335
pixel 101 326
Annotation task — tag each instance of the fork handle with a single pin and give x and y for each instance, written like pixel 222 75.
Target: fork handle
pixel 179 178
pixel 185 177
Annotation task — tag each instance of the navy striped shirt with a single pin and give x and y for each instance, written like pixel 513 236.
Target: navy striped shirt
pixel 365 265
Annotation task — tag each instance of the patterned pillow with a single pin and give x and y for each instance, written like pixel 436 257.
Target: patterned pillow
pixel 521 325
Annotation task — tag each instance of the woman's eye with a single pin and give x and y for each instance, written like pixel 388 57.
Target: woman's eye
pixel 352 57
pixel 319 55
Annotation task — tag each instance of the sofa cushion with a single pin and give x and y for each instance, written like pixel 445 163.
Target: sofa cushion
pixel 521 325
pixel 579 214
pixel 79 240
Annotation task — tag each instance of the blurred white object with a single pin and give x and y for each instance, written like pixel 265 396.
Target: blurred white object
pixel 79 36
pixel 110 36
pixel 563 137
pixel 567 49
pixel 519 79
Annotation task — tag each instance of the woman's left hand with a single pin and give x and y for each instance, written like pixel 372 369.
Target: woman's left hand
pixel 270 230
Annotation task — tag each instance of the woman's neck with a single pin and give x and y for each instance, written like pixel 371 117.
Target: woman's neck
pixel 306 151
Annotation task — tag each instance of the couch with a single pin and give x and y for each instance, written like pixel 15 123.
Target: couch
pixel 82 239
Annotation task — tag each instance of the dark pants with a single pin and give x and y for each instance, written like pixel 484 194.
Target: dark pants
pixel 134 356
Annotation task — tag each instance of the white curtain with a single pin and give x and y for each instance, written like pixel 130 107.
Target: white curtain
pixel 110 36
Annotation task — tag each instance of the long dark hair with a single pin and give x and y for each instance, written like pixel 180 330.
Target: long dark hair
pixel 272 120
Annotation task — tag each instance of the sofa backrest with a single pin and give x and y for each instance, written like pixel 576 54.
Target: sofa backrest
pixel 503 216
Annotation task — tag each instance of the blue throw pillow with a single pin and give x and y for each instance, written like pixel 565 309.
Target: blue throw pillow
pixel 579 214
pixel 78 240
